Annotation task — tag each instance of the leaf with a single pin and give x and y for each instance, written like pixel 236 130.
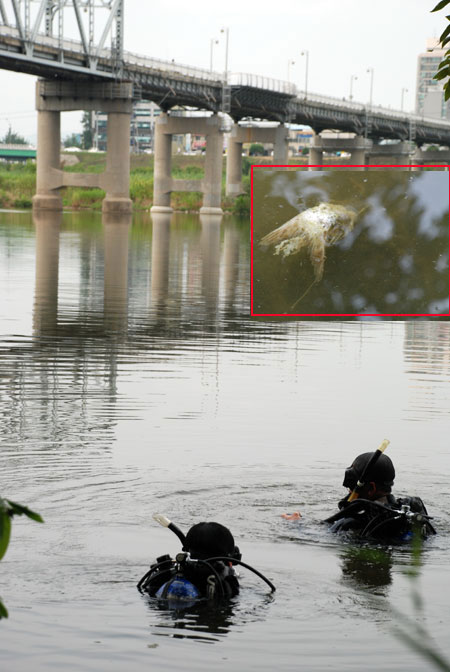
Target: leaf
pixel 3 611
pixel 441 74
pixel 5 532
pixel 20 509
pixel 440 5
pixel 444 35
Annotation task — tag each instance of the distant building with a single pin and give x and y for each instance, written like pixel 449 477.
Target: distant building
pixel 429 92
pixel 141 129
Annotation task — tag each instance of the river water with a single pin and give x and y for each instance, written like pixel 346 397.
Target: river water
pixel 133 381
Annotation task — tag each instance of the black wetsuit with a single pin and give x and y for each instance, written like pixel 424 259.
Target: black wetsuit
pixel 394 521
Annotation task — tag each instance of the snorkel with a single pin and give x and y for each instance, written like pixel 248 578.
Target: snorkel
pixel 366 471
pixel 185 556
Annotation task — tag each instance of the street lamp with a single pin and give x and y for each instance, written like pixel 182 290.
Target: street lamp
pixel 404 90
pixel 371 84
pixel 212 43
pixel 306 53
pixel 290 62
pixel 352 79
pixel 226 31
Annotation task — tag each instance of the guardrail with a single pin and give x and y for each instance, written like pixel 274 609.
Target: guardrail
pixel 234 79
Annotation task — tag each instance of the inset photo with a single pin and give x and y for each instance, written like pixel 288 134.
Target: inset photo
pixel 349 243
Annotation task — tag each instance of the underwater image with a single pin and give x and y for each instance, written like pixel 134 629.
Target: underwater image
pixel 350 242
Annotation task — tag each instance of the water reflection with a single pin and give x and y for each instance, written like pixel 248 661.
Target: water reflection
pixel 47 232
pixel 160 259
pixel 199 622
pixel 365 567
pixel 115 305
pixel 395 261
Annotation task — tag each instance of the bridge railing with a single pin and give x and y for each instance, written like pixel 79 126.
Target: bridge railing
pixel 261 82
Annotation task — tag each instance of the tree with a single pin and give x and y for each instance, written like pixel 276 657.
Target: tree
pixel 12 138
pixel 257 149
pixel 444 66
pixel 73 140
pixel 8 509
pixel 88 132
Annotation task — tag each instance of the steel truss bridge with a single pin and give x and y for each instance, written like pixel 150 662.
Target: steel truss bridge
pixel 33 40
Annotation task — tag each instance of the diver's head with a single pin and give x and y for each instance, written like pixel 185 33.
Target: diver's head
pixel 378 481
pixel 209 540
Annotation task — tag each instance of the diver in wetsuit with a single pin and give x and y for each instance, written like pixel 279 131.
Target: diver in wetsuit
pixel 204 570
pixel 376 513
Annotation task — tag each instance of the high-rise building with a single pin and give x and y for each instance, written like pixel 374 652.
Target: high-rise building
pixel 141 128
pixel 429 92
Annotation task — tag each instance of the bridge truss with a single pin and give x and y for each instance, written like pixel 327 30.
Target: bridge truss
pixel 38 33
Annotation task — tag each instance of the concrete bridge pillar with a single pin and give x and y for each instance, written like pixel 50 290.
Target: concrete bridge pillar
pixel 116 179
pixel 431 157
pixel 212 182
pixel 358 158
pixel 315 159
pixel 47 195
pixel 115 99
pixel 210 185
pixel 275 135
pixel 162 181
pixel 234 164
pixel 281 146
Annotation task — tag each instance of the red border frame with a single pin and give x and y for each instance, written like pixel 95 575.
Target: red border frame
pixel 322 167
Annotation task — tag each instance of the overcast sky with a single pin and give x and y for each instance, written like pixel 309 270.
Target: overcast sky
pixel 343 38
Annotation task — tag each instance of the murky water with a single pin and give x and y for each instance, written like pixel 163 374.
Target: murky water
pixel 132 380
pixel 394 261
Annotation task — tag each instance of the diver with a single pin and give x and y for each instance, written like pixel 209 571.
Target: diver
pixel 203 570
pixel 371 510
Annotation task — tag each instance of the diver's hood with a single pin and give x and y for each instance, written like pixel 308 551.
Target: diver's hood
pixel 382 472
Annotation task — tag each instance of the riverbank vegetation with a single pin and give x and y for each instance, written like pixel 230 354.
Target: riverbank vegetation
pixel 18 182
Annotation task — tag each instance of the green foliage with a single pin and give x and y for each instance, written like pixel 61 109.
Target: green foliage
pixel 256 149
pixel 443 72
pixel 12 138
pixel 245 165
pixel 411 631
pixel 73 140
pixel 23 202
pixel 88 131
pixel 8 509
pixel 141 187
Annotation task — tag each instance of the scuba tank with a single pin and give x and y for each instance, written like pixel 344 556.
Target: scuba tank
pixel 202 571
pixel 397 521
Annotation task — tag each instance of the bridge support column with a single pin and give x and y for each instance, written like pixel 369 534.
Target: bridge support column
pixel 275 135
pixel 162 181
pixel 281 146
pixel 54 97
pixel 315 159
pixel 433 157
pixel 234 163
pixel 212 182
pixel 397 153
pixel 116 178
pixel 47 195
pixel 164 184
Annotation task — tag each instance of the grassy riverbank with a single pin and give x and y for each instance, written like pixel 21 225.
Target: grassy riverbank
pixel 18 183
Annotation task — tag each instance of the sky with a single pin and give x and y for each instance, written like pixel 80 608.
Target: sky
pixel 344 38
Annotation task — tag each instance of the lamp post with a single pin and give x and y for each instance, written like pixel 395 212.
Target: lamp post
pixel 404 90
pixel 371 85
pixel 352 79
pixel 306 53
pixel 212 43
pixel 290 62
pixel 227 34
